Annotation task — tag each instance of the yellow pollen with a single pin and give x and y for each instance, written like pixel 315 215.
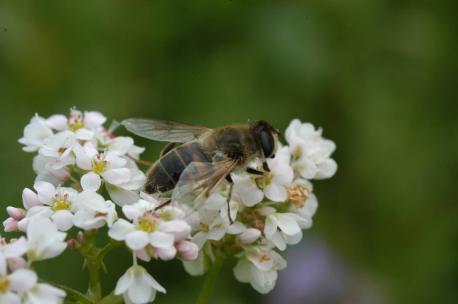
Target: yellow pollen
pixel 204 228
pixel 4 285
pixel 99 166
pixel 60 204
pixel 166 216
pixel 263 181
pixel 147 223
pixel 76 125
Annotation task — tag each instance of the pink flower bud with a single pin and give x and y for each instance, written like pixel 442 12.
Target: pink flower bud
pixel 249 236
pixel 72 244
pixel 16 263
pixel 166 254
pixel 10 225
pixel 29 198
pixel 187 251
pixel 15 213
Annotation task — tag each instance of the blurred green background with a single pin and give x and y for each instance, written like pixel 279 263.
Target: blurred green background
pixel 378 76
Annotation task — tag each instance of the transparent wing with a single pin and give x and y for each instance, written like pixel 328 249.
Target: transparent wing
pixel 162 130
pixel 199 179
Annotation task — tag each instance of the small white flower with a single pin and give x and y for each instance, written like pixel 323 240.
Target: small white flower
pixel 310 150
pixel 93 211
pixel 35 134
pixel 83 125
pixel 109 166
pixel 45 166
pixel 44 240
pixel 60 148
pixel 138 286
pixel 259 267
pixel 152 230
pixel 282 229
pixel 252 188
pixel 15 284
pixel 11 252
pixel 50 202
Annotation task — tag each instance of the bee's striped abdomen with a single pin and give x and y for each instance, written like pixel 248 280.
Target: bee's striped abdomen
pixel 166 172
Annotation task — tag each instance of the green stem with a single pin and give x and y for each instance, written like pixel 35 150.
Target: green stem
pixel 90 252
pixel 210 281
pixel 112 299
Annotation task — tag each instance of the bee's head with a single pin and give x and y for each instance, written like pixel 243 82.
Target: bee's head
pixel 265 136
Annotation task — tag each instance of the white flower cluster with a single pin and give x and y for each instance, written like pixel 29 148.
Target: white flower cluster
pixel 267 212
pixel 18 282
pixel 78 161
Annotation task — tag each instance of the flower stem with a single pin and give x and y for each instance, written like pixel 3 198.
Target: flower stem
pixel 210 281
pixel 90 252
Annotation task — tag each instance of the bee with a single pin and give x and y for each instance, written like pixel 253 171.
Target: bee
pixel 197 159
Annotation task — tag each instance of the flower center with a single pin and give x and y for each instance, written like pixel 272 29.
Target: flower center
pixel 4 285
pixel 99 164
pixel 60 202
pixel 263 181
pixel 75 121
pixel 147 223
pixel 297 195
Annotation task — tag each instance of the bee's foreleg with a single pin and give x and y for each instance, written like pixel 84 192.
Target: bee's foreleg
pixel 163 204
pixel 254 171
pixel 229 197
pixel 265 166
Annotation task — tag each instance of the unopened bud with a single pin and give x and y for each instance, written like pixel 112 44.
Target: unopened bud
pixel 15 213
pixel 29 198
pixel 249 236
pixel 72 244
pixel 10 225
pixel 166 254
pixel 187 251
pixel 16 263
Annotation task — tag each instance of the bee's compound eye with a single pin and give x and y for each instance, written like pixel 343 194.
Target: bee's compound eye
pixel 267 144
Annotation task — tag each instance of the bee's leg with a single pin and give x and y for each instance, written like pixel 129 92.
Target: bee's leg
pixel 254 171
pixel 163 204
pixel 167 148
pixel 229 196
pixel 265 166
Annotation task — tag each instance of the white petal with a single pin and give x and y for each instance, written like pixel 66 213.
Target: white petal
pixel 152 282
pixel 276 192
pixel 166 254
pixel 178 228
pixel 121 196
pixel 45 191
pixel 271 226
pixel 83 160
pixel 15 249
pixel 161 240
pixel 278 240
pixel 22 280
pixel 29 198
pixel 120 229
pixel 197 267
pixel 242 271
pixel 136 240
pixel 63 219
pixel 236 228
pixel 326 169
pixel 140 291
pixel 116 176
pixel 57 122
pixel 93 119
pixel 90 182
pixel 124 282
pixel 84 134
pixel 287 224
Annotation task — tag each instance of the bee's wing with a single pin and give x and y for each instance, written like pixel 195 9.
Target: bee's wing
pixel 162 130
pixel 199 179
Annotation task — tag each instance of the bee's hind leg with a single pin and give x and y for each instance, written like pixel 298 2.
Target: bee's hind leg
pixel 229 197
pixel 167 202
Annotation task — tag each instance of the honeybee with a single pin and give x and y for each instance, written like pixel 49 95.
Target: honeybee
pixel 197 159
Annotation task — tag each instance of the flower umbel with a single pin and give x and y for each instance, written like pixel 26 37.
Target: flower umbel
pixel 87 175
